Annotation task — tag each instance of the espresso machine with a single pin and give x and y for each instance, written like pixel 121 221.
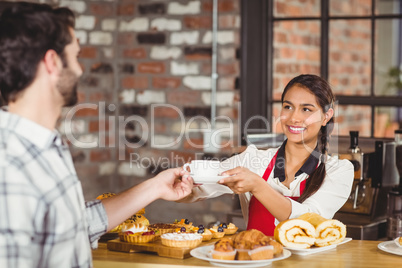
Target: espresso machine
pixel 394 208
pixel 365 211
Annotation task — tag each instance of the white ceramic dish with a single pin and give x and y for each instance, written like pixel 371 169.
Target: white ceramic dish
pixel 396 240
pixel 204 253
pixel 390 247
pixel 312 250
pixel 207 180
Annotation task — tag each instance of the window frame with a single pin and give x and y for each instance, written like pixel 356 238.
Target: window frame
pixel 256 71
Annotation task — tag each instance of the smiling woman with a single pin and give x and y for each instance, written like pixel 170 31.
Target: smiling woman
pixel 309 117
pixel 301 116
pixel 298 177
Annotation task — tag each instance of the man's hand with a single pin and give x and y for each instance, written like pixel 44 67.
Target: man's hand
pixel 173 184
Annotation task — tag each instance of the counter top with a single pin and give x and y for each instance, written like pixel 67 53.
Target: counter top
pixel 356 253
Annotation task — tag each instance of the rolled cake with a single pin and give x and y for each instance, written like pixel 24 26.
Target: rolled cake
pixel 295 233
pixel 327 232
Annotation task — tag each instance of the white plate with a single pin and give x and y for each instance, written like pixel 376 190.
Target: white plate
pixel 390 247
pixel 205 180
pixel 204 253
pixel 396 241
pixel 312 250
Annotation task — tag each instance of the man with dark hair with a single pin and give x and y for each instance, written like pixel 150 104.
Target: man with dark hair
pixel 44 221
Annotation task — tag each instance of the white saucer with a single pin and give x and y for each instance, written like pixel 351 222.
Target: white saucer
pixel 206 180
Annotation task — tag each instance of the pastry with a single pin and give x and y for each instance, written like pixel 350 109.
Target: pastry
pixel 255 245
pixel 105 195
pixel 229 229
pixel 245 239
pixel 217 232
pixel 141 211
pixel 184 222
pixel 327 232
pixel 295 233
pixel 136 233
pixel 138 218
pixel 243 242
pixel 224 250
pixel 398 242
pixel 206 233
pixel 163 228
pixel 278 248
pixel 262 249
pixel 133 227
pixel 262 253
pixel 182 229
pixel 181 240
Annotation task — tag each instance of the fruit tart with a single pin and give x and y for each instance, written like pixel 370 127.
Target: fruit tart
pixel 217 232
pixel 163 228
pixel 182 230
pixel 229 229
pixel 205 232
pixel 184 223
pixel 137 233
pixel 181 240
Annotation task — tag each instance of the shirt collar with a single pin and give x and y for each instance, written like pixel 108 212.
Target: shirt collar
pixel 308 167
pixel 38 135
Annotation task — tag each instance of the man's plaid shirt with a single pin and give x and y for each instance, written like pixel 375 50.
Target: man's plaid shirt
pixel 44 221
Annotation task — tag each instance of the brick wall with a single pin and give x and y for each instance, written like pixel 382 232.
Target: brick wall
pixel 147 74
pixel 297 50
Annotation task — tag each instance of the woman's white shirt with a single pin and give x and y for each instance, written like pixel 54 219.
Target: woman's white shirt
pixel 329 198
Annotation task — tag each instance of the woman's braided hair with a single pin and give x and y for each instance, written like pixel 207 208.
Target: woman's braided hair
pixel 325 98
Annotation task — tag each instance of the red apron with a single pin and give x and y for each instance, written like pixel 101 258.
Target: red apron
pixel 258 216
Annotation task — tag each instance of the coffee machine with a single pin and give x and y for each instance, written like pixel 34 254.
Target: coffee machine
pixel 365 211
pixel 394 208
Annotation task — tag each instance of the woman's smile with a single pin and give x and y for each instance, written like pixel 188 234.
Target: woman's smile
pixel 296 130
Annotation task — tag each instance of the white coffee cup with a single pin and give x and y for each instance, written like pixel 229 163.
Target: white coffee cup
pixel 203 168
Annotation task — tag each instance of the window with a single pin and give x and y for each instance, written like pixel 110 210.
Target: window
pixel 355 44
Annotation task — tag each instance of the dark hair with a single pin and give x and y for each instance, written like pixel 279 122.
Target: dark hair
pixel 27 32
pixel 325 98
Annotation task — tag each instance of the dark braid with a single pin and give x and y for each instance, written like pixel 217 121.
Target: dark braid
pixel 324 141
pixel 325 98
pixel 316 179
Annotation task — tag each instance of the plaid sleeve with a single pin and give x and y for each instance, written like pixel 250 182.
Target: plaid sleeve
pixel 97 220
pixel 16 229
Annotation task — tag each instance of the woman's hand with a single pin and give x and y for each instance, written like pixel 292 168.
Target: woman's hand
pixel 241 180
pixel 173 184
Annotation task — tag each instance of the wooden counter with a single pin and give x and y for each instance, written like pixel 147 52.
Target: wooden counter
pixel 356 253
